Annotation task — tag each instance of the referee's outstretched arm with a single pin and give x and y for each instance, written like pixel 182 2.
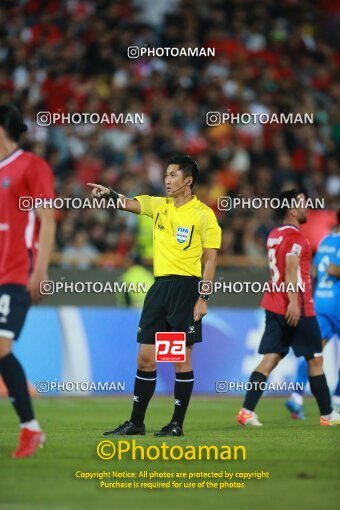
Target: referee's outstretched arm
pixel 99 191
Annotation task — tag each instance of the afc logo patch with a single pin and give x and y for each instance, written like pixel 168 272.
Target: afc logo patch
pixel 182 234
pixel 296 249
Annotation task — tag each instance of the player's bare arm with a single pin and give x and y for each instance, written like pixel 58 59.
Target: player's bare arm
pixel 313 271
pixel 209 259
pixel 333 270
pixel 99 191
pixel 46 243
pixel 291 277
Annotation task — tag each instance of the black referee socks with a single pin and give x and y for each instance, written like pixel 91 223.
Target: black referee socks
pixel 145 384
pixel 184 384
pixel 16 383
pixel 254 394
pixel 320 390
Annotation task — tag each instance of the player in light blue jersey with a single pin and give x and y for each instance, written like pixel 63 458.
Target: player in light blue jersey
pixel 327 307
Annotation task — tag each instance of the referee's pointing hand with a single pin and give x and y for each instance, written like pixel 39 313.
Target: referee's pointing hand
pixel 98 191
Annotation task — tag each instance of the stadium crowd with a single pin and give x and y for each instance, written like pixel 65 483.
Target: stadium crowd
pixel 274 57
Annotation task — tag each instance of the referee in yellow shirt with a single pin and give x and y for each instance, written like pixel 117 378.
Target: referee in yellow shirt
pixel 184 230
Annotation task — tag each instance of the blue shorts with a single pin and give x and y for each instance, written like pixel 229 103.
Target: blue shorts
pixel 329 325
pixel 304 339
pixel 14 304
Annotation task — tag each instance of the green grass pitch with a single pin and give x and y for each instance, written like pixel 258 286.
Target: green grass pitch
pixel 301 457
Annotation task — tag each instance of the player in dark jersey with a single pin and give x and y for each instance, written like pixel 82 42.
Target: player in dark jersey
pixel 290 315
pixel 26 240
pixel 326 269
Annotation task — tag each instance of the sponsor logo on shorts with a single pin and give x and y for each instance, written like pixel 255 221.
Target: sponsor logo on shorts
pixel 170 346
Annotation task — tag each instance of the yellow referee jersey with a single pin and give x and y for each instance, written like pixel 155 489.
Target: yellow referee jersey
pixel 180 234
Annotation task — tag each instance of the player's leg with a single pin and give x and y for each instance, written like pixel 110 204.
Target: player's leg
pixel 144 388
pixel 320 390
pixel 15 303
pixel 336 396
pixel 307 342
pixel 151 321
pixel 14 379
pixel 335 399
pixel 246 415
pixel 180 302
pixel 184 383
pixel 336 331
pixel 274 346
pixel 330 328
pixel 145 383
pixel 295 402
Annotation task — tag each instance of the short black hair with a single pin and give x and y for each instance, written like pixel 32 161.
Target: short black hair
pixel 11 120
pixel 187 165
pixel 285 198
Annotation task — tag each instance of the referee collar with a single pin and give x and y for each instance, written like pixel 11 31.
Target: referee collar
pixel 185 206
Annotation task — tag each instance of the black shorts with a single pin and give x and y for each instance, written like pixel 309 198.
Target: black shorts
pixel 304 339
pixel 14 304
pixel 169 306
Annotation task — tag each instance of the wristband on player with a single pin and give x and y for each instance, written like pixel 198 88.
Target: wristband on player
pixel 205 297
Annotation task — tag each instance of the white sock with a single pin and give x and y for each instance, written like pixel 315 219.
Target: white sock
pixel 248 410
pixel 32 425
pixel 297 398
pixel 336 400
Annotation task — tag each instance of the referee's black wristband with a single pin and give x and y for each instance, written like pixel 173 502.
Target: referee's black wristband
pixel 113 195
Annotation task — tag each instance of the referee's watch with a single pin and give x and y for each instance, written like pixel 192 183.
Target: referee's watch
pixel 205 297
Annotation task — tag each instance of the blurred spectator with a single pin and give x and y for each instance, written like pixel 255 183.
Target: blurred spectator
pixel 270 57
pixel 134 276
pixel 79 254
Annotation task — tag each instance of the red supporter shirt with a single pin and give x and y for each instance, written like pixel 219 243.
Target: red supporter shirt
pixel 22 174
pixel 282 242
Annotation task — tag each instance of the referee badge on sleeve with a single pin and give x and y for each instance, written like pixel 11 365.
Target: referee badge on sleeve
pixel 182 234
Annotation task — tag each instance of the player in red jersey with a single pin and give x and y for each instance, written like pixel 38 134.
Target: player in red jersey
pixel 26 240
pixel 290 315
